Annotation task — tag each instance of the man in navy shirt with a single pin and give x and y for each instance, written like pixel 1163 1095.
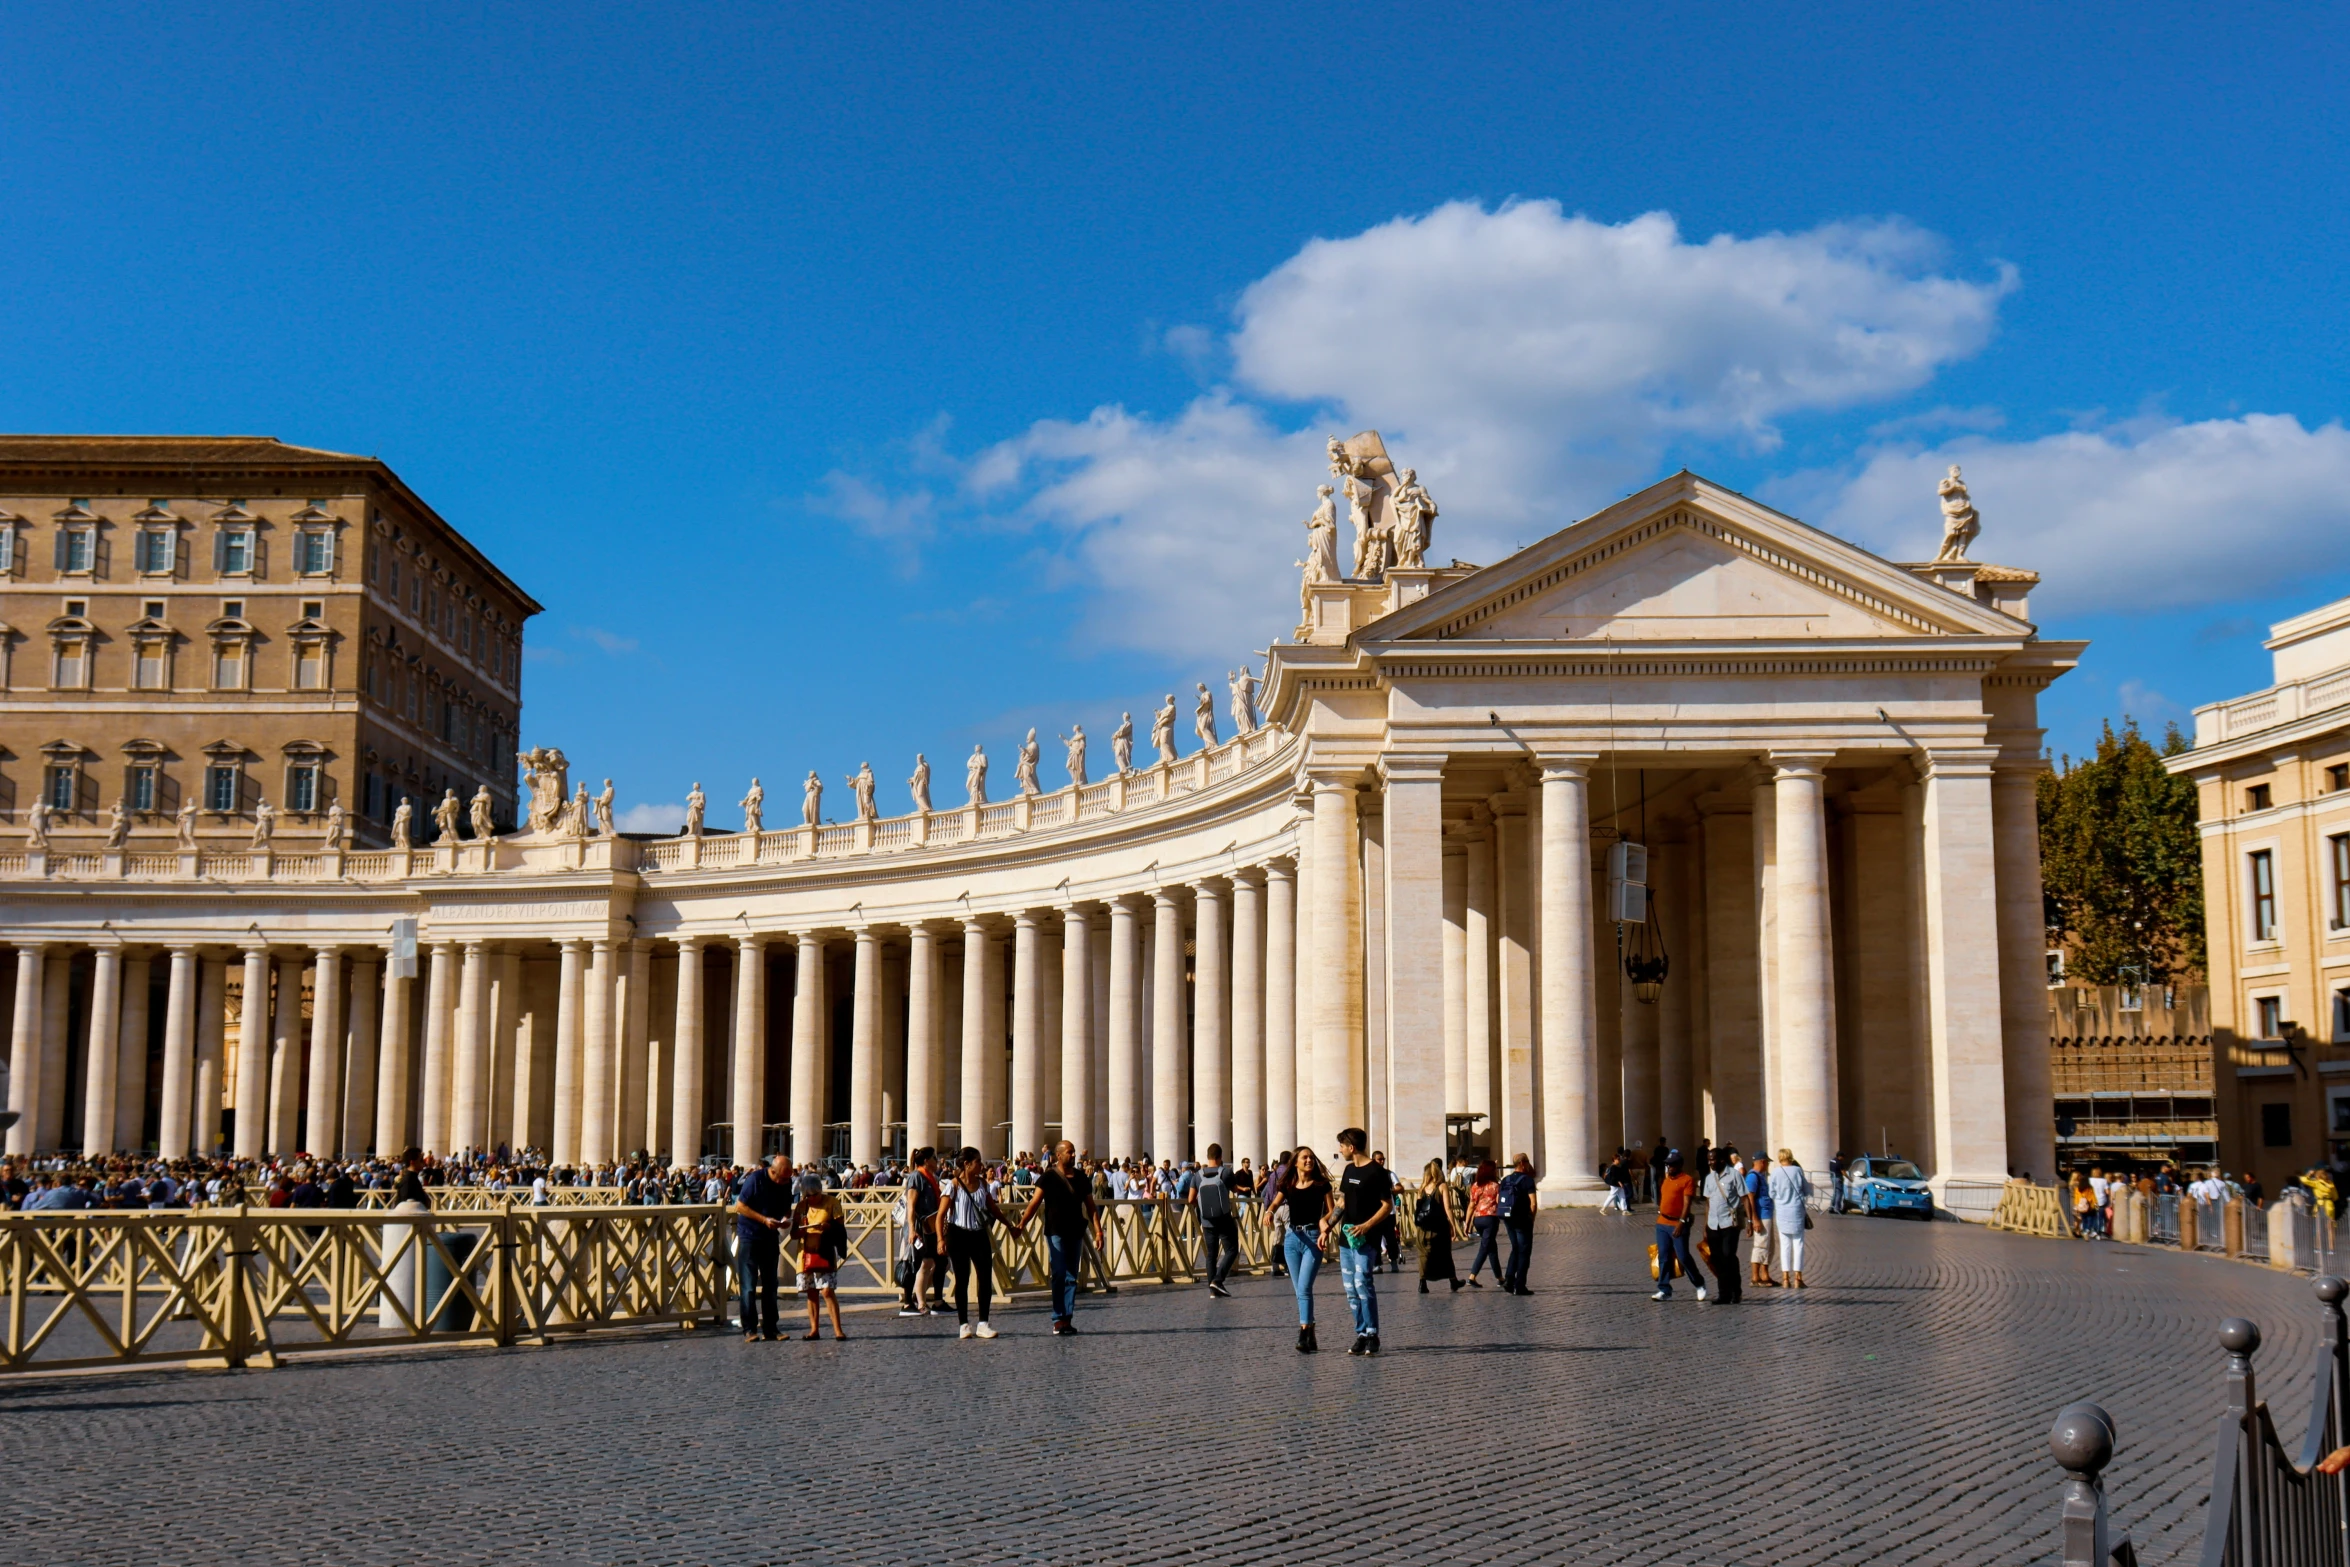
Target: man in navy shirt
pixel 762 1208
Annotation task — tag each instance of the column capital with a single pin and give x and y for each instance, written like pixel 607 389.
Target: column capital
pixel 442 946
pixel 1957 761
pixel 1213 887
pixel 865 935
pixel 686 943
pixel 1571 766
pixel 1251 875
pixel 1280 870
pixel 974 924
pixel 1027 919
pixel 1334 780
pixel 567 945
pixel 332 949
pixel 752 940
pixel 1798 764
pixel 1411 767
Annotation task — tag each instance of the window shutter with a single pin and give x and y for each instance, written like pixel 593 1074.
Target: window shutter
pixel 169 543
pixel 64 548
pixel 219 550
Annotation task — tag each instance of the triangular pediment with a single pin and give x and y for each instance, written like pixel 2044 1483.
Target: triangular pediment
pixel 1688 561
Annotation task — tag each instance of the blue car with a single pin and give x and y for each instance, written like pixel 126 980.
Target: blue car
pixel 1874 1183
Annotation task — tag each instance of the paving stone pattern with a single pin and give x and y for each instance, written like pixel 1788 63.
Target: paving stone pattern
pixel 1896 1412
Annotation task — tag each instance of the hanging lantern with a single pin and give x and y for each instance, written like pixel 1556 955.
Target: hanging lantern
pixel 1645 961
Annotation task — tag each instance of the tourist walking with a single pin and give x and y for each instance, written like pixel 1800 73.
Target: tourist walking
pixel 1210 1195
pixel 1790 1192
pixel 1433 1214
pixel 921 1287
pixel 966 1218
pixel 1618 1179
pixel 1485 1219
pixel 1366 1198
pixel 1274 1176
pixel 1758 1191
pixel 821 1230
pixel 1725 1213
pixel 761 1209
pixel 1672 1231
pixel 1518 1206
pixel 1302 1197
pixel 1070 1217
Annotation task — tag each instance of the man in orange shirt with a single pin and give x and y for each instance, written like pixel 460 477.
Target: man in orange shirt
pixel 1672 1230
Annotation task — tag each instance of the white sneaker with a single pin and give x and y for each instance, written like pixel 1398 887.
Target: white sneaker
pixel 1660 1295
pixel 983 1331
pixel 1701 1294
pixel 964 1331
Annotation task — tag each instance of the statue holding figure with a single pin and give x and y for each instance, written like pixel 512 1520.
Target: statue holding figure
pixel 444 817
pixel 1960 521
pixel 1025 769
pixel 604 811
pixel 1122 743
pixel 1243 687
pixel 755 808
pixel 187 823
pixel 36 825
pixel 696 803
pixel 920 783
pixel 118 824
pixel 1163 730
pixel 1073 744
pixel 812 800
pixel 338 824
pixel 484 818
pixel 1415 517
pixel 403 822
pixel 1371 543
pixel 975 775
pixel 265 824
pixel 1203 718
pixel 547 772
pixel 861 786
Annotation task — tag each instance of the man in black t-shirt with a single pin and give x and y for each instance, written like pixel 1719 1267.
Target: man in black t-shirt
pixel 1066 1196
pixel 762 1208
pixel 1366 1196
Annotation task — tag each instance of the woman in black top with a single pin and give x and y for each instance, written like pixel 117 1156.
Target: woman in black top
pixel 1433 1214
pixel 1304 1191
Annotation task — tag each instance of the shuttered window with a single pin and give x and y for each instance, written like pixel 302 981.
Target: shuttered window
pixel 77 549
pixel 158 550
pixel 232 551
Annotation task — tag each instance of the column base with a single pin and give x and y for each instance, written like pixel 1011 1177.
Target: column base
pixel 1570 1191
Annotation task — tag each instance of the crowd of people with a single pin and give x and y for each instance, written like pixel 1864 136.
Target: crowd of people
pixel 2091 1193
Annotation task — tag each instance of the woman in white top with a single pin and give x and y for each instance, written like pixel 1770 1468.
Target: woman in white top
pixel 1790 1191
pixel 965 1220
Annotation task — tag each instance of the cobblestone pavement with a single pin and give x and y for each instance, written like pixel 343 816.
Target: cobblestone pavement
pixel 1895 1412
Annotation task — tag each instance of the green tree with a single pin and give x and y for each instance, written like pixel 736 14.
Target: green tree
pixel 2122 863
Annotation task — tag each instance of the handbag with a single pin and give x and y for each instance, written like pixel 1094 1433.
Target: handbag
pixel 1655 1271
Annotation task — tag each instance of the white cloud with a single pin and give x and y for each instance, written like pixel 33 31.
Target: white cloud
pixel 611 642
pixel 650 818
pixel 2154 514
pixel 1531 364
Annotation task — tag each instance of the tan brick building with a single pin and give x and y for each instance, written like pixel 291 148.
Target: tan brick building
pixel 227 620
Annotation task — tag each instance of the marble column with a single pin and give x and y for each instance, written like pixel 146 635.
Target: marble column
pixel 747 1086
pixel 391 1067
pixel 507 1091
pixel 1963 1000
pixel 2023 973
pixel 1514 896
pixel 1125 1063
pixel 1339 1066
pixel 982 1046
pixel 24 1049
pixel 252 1086
pixel 1733 979
pixel 569 1067
pixel 923 1017
pixel 1077 1055
pixel 1570 1044
pixel 1302 980
pixel 359 1086
pixel 598 1113
pixel 285 1057
pixel 1456 972
pixel 1170 1103
pixel 865 1049
pixel 1419 1061
pixel 686 1110
pixel 1643 1055
pixel 1248 1017
pixel 1765 940
pixel 211 1029
pixel 1477 923
pixel 323 1132
pixel 1806 1011
pixel 638 1132
pixel 1280 974
pixel 811 1050
pixel 1676 1098
pixel 179 1056
pixel 440 986
pixel 1028 1088
pixel 130 1073
pixel 103 1062
pixel 468 1062
pixel 1211 1006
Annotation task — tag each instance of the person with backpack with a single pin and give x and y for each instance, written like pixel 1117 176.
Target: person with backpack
pixel 1301 1195
pixel 1517 1207
pixel 1485 1219
pixel 1366 1196
pixel 1209 1193
pixel 1433 1214
pixel 919 1283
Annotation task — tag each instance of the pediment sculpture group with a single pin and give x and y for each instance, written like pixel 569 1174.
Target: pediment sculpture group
pixel 1394 518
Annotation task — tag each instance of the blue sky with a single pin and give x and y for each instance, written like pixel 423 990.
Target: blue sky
pixel 855 382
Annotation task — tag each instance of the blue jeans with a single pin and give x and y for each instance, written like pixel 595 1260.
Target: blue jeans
pixel 1521 1255
pixel 1488 1234
pixel 1670 1245
pixel 1362 1296
pixel 1063 1255
pixel 754 1270
pixel 1305 1260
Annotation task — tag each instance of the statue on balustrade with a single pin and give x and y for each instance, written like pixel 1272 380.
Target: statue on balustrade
pixel 920 783
pixel 1122 743
pixel 187 822
pixel 576 823
pixel 1362 467
pixel 444 817
pixel 1203 717
pixel 484 813
pixel 338 825
pixel 975 775
pixel 1024 770
pixel 1960 521
pixel 1074 744
pixel 1413 529
pixel 695 803
pixel 403 821
pixel 604 810
pixel 548 774
pixel 118 824
pixel 812 800
pixel 265 824
pixel 755 808
pixel 36 826
pixel 1163 730
pixel 1244 701
pixel 862 786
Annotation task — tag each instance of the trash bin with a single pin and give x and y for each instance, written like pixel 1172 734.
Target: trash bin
pixel 458 1316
